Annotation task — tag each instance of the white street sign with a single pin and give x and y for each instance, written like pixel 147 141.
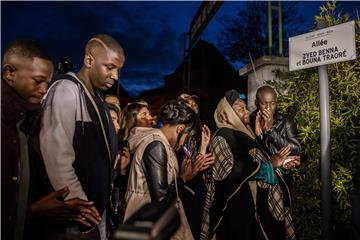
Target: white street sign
pixel 328 45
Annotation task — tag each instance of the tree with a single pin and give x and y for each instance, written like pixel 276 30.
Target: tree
pixel 247 31
pixel 302 102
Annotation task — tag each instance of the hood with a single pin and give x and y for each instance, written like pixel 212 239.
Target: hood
pixel 139 134
pixel 225 116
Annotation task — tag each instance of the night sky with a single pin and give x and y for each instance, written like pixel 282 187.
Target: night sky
pixel 151 32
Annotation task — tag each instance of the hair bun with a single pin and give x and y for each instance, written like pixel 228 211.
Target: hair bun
pixel 175 112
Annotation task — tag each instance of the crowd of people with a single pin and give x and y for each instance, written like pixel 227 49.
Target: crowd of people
pixel 75 165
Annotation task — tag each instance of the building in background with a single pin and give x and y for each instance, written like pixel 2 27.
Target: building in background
pixel 210 76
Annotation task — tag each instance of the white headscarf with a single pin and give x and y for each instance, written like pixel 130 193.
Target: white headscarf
pixel 225 116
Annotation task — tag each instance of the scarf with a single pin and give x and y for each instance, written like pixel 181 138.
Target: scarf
pixel 225 116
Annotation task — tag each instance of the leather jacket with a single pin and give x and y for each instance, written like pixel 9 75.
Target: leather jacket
pixel 153 174
pixel 283 133
pixel 154 165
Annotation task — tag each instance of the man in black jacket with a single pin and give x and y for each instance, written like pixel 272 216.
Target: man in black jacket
pixel 277 130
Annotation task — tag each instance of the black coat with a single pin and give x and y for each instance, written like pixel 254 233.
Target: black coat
pixel 15 109
pixel 283 133
pixel 232 213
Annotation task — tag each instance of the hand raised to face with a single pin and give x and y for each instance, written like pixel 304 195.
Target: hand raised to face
pixel 258 124
pixel 267 119
pixel 205 138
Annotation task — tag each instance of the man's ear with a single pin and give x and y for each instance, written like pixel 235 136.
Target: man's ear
pixel 256 103
pixel 88 60
pixel 9 73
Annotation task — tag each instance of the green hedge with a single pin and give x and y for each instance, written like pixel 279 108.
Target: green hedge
pixel 302 101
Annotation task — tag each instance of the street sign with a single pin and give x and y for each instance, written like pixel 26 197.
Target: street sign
pixel 328 45
pixel 204 14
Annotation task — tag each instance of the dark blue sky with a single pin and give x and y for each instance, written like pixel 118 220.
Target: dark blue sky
pixel 150 32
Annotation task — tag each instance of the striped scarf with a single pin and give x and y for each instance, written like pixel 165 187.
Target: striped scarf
pixel 275 198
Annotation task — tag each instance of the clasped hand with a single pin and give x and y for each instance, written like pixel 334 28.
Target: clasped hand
pixel 54 206
pixel 202 162
pixel 283 159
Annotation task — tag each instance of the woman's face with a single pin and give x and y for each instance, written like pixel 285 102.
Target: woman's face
pixel 143 118
pixel 194 106
pixel 240 109
pixel 115 119
pixel 183 138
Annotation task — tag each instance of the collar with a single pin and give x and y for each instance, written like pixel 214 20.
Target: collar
pixel 277 116
pixel 13 107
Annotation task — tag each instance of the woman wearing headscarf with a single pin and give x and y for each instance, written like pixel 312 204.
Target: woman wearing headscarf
pixel 249 198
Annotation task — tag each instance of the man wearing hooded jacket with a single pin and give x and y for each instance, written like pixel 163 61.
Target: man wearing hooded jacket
pixel 78 139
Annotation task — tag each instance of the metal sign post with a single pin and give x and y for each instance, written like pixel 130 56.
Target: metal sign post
pixel 325 147
pixel 270 30
pixel 201 19
pixel 325 152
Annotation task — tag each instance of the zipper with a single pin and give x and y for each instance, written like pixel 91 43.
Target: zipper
pixel 252 174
